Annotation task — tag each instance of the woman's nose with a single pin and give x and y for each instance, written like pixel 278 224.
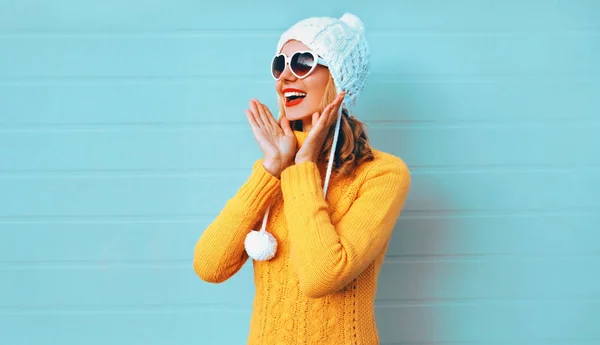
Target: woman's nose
pixel 287 73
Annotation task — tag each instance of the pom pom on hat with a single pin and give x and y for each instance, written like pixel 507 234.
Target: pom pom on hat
pixel 353 21
pixel 260 245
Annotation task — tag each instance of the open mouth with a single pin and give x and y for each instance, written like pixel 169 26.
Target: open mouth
pixel 293 98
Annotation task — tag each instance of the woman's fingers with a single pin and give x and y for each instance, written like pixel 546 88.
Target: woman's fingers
pixel 250 117
pixel 324 120
pixel 287 128
pixel 336 109
pixel 264 116
pixel 315 119
pixel 269 115
pixel 256 113
pixel 252 121
pixel 329 115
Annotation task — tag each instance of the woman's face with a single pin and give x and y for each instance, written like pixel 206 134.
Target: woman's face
pixel 310 89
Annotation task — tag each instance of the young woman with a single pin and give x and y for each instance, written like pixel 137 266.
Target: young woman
pixel 325 201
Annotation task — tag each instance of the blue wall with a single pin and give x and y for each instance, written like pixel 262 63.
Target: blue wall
pixel 122 134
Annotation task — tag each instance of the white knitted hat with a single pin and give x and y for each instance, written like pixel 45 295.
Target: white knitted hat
pixel 342 44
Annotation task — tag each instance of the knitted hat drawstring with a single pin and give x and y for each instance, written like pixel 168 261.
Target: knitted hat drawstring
pixel 262 245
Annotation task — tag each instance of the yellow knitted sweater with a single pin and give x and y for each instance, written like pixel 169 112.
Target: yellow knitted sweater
pixel 321 285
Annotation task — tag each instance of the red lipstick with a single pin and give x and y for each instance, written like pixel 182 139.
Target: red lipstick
pixel 294 100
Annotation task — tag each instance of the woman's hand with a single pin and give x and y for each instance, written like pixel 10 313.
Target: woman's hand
pixel 278 143
pixel 312 146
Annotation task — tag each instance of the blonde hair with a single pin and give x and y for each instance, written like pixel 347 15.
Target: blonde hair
pixel 353 143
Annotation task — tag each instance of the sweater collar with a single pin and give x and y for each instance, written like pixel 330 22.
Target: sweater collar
pixel 300 137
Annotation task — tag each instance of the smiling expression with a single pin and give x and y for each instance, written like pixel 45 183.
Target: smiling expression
pixel 301 97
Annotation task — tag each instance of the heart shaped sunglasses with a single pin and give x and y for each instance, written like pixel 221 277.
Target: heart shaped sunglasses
pixel 301 63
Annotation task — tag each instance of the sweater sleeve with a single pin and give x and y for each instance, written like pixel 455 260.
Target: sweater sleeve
pixel 328 257
pixel 220 253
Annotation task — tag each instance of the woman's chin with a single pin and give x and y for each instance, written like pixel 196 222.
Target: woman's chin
pixel 293 116
pixel 297 114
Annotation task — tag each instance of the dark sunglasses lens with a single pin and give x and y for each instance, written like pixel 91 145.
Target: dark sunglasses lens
pixel 301 64
pixel 278 65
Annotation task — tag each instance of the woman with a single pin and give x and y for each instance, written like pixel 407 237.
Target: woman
pixel 326 220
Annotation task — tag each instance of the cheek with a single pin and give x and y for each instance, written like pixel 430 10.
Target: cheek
pixel 320 83
pixel 318 91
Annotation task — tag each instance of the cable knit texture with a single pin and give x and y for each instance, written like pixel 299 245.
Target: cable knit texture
pixel 320 287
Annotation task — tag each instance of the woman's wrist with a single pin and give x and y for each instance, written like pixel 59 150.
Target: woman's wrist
pixel 275 166
pixel 272 167
pixel 303 159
